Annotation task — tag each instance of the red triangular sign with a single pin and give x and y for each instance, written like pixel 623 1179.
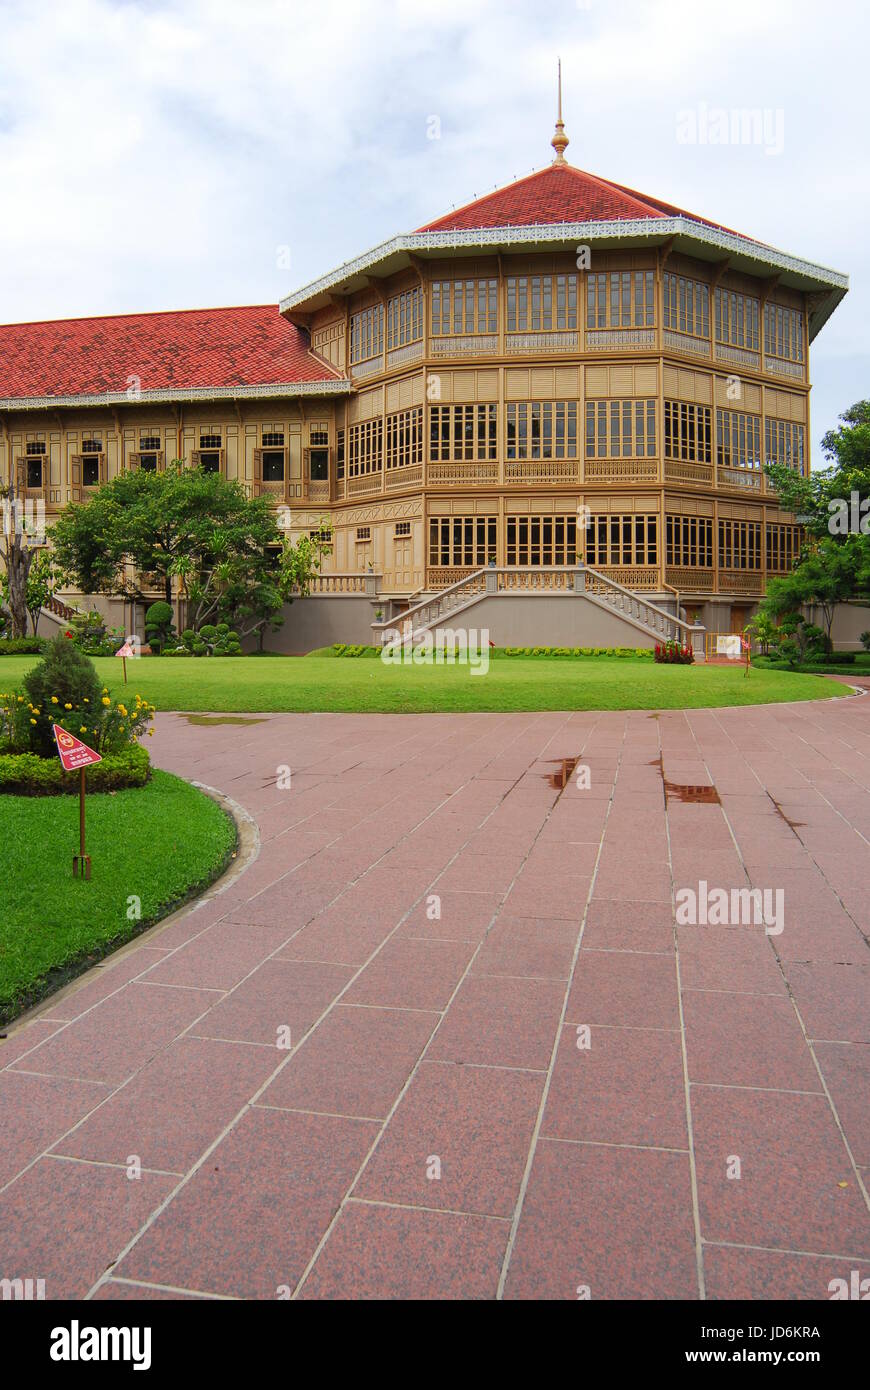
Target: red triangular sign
pixel 71 751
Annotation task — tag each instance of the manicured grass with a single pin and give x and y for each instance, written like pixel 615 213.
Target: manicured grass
pixel 242 684
pixel 158 843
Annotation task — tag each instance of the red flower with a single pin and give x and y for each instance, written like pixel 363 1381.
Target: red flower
pixel 67 634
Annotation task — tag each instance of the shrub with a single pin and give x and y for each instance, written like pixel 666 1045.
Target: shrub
pixel 212 640
pixel 64 689
pixel 865 641
pixel 27 774
pixel 21 646
pixel 673 653
pixel 159 628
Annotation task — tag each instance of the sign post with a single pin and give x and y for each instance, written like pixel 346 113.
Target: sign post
pixel 123 652
pixel 75 756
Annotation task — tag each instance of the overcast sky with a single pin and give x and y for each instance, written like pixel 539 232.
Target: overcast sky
pixel 160 155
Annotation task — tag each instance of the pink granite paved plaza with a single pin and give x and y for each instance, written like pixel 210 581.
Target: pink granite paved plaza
pixel 442 1038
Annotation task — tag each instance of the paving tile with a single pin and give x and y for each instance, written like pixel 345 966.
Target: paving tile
pixel 628 926
pixel 67 1222
pixel 36 1110
pixel 540 948
pixel 792 1164
pixel 250 1218
pixel 736 959
pixel 626 1088
pixel 335 935
pixel 25 1038
pixel 477 1121
pixel 624 989
pixel 615 1221
pixel 175 1106
pixel 846 1069
pixel 450 916
pixel 114 1291
pixel 377 1252
pixel 219 958
pixel 733 1272
pixel 278 995
pixel 119 1035
pixel 412 974
pixel 104 979
pixel 746 1040
pixel 563 897
pixel 499 1022
pixel 833 1000
pixel 354 1063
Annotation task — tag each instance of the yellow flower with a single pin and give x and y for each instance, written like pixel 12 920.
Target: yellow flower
pixel 33 721
pixel 83 728
pixel 86 700
pixel 54 699
pixel 150 733
pixel 122 710
pixel 121 727
pixel 106 700
pixel 67 705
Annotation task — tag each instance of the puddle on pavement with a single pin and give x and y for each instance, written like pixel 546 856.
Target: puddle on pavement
pixel 560 779
pixel 208 721
pixel 794 825
pixel 684 791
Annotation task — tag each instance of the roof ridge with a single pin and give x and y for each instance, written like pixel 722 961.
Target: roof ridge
pixel 138 314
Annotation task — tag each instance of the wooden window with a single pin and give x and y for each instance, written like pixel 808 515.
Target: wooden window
pixel 541 303
pixel 542 540
pixel 737 317
pixel 738 439
pixel 402 530
pixel 35 456
pixel 464 306
pixel 273 439
pixel 783 547
pixel 621 429
pixel 784 443
pixel 620 299
pixel 405 438
pixel 91 460
pixel 272 465
pixel 339 454
pixel 460 432
pixel 686 305
pixel 318 465
pixel 541 430
pixel 318 433
pixel 689 541
pixel 405 318
pixel 367 333
pixel 739 545
pixel 688 430
pixel 365 448
pixel 783 332
pixel 621 540
pixel 364 533
pixel 462 541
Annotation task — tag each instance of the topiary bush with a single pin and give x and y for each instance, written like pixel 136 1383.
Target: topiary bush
pixel 21 646
pixel 212 639
pixel 27 774
pixel 159 629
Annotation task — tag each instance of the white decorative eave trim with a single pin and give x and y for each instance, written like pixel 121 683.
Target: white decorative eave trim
pixel 328 387
pixel 576 233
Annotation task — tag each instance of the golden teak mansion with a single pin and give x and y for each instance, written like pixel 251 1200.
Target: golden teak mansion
pixel 565 375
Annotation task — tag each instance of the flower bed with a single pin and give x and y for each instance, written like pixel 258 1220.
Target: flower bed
pixel 674 654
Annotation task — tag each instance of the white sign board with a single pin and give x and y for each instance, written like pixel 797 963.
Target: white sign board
pixel 729 644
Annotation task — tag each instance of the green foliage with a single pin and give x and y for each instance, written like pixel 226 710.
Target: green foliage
pixel 21 646
pixel 213 639
pixel 159 628
pixel 796 641
pixel 28 774
pixel 865 641
pixel 64 689
pixel 93 636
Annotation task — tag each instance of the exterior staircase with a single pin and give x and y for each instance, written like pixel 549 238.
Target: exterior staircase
pixel 641 613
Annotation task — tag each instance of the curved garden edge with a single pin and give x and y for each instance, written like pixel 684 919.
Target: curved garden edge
pixel 73 975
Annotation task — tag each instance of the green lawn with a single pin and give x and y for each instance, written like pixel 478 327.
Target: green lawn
pixel 157 843
pixel 252 684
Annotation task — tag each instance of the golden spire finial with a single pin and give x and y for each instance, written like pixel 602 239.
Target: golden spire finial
pixel 560 140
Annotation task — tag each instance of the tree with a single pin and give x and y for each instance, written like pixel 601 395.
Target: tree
pixel 829 574
pixel 18 550
pixel 232 561
pixel 41 585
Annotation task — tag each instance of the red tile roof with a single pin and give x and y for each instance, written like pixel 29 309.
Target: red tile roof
pixel 559 193
pixel 177 351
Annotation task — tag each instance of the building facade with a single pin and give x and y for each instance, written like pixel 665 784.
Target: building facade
pixel 565 371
